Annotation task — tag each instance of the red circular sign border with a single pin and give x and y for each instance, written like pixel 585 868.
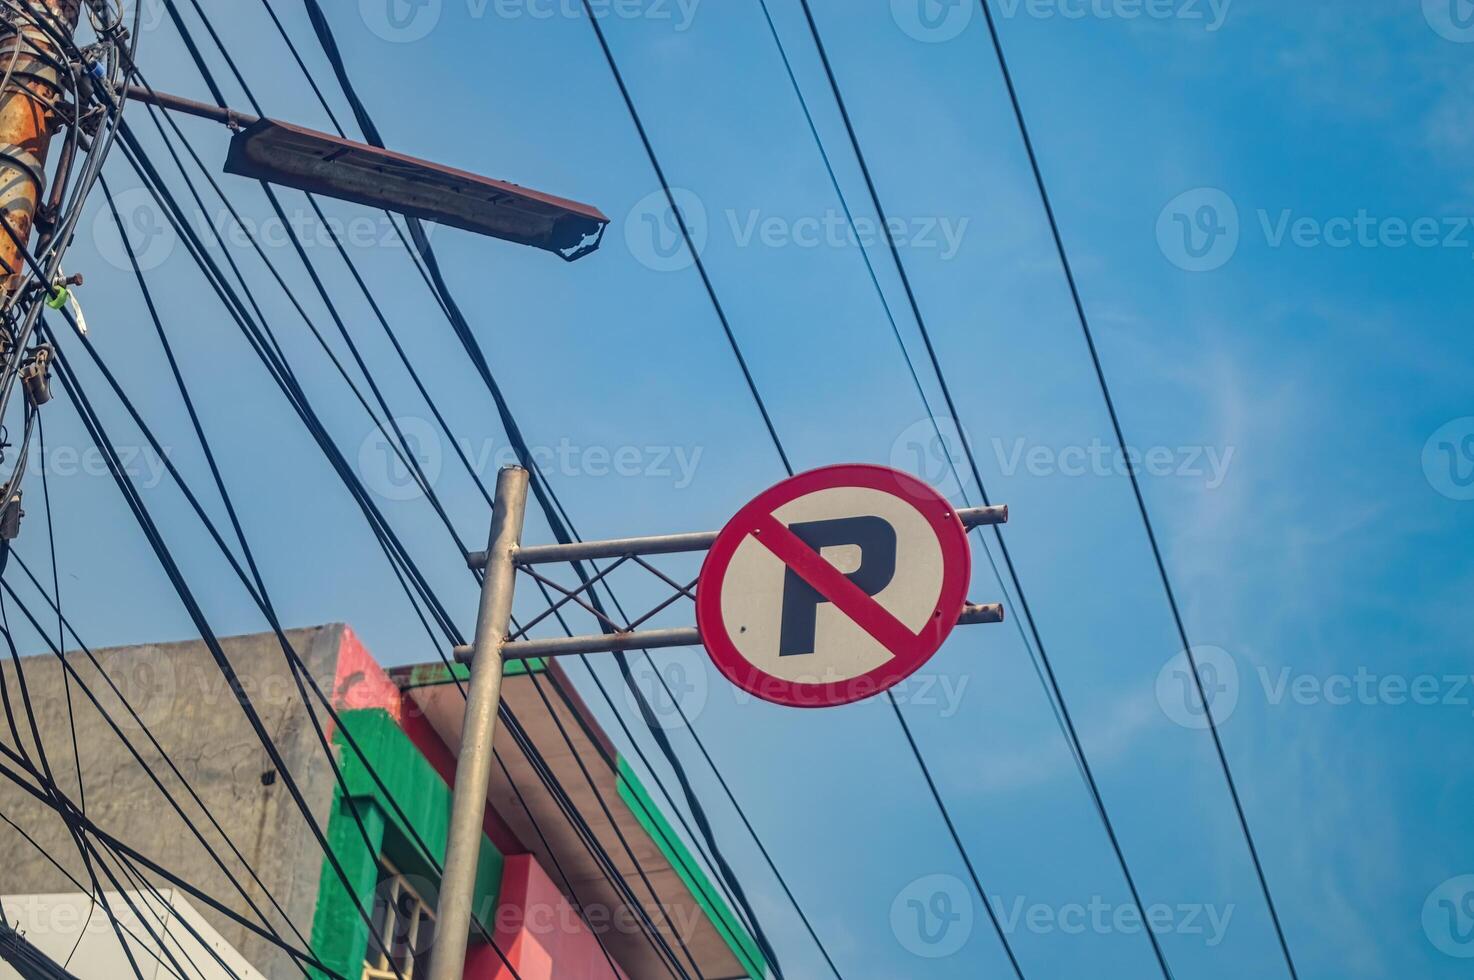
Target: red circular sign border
pixel 956 577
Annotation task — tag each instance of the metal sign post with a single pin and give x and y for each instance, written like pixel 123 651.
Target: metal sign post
pixel 864 630
pixel 473 767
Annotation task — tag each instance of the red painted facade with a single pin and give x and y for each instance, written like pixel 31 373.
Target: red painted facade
pixel 542 935
pixel 362 683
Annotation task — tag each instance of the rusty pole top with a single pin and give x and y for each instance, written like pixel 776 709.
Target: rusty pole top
pixel 30 87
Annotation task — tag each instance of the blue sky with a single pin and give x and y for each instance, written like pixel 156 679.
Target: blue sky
pixel 1292 371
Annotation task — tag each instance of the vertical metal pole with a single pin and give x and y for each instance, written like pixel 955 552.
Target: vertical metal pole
pixel 473 768
pixel 27 123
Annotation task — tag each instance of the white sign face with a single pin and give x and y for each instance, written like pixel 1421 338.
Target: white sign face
pixel 833 586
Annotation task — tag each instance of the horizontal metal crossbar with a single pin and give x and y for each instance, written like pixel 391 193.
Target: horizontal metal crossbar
pixel 563 646
pixel 670 544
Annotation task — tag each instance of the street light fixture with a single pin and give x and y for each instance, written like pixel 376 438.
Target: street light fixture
pixel 319 163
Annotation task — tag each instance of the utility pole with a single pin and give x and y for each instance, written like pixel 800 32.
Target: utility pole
pixel 29 95
pixel 473 768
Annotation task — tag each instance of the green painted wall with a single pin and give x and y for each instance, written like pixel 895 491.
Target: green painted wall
pixel 430 675
pixel 339 934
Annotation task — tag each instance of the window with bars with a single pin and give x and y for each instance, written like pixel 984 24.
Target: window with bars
pixel 405 925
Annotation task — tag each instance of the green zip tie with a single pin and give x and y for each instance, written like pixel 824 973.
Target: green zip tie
pixel 58 297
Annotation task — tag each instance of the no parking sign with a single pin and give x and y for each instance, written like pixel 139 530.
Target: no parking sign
pixel 833 586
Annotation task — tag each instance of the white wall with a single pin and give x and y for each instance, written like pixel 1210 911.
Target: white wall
pixel 54 924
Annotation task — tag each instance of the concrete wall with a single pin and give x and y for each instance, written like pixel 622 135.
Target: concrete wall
pixel 179 693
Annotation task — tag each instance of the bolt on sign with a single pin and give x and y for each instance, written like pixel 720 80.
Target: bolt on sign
pixel 833 586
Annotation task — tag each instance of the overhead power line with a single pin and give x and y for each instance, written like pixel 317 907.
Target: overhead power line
pixel 915 307
pixel 26 959
pixel 758 400
pixel 440 615
pixel 552 510
pixel 588 838
pixel 1146 521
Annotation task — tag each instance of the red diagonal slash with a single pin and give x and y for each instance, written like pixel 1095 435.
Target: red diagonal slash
pixel 833 585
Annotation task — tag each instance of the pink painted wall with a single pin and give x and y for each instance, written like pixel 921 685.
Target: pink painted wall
pixel 536 927
pixel 540 933
pixel 362 683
